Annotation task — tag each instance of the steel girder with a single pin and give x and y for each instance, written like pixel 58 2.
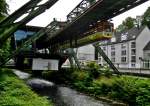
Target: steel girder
pixel 80 23
pixel 29 11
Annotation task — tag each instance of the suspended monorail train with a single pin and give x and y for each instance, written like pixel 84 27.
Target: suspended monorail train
pixel 102 30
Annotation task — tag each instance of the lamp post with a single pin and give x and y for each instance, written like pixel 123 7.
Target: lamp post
pixel 140 58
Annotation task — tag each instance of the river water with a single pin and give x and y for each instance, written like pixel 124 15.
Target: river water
pixel 60 95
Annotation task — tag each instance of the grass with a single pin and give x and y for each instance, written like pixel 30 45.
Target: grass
pixel 14 92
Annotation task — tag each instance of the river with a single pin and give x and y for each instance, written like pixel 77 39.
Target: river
pixel 60 95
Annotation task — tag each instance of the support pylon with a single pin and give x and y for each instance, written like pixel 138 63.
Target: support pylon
pixel 73 55
pixel 102 53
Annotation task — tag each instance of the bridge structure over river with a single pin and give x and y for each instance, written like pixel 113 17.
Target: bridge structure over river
pixel 59 37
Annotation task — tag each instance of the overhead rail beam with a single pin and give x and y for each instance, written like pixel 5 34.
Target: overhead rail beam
pixel 79 9
pixel 9 25
pixel 23 10
pixel 79 22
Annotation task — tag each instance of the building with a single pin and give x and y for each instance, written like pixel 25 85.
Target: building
pixel 128 49
pixel 84 54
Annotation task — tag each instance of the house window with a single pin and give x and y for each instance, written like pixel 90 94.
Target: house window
pixel 133 45
pixel 133 52
pixel 113 53
pixel 99 59
pixel 123 52
pixel 133 65
pixel 123 46
pixel 124 36
pixel 133 58
pixel 123 59
pixel 113 60
pixel 112 47
pixel 148 54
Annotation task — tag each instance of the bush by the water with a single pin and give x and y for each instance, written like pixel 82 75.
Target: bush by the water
pixel 14 92
pixel 99 81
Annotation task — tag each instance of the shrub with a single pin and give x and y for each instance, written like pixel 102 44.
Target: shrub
pixel 94 69
pixel 106 72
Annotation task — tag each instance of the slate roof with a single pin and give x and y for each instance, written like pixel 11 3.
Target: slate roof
pixel 130 34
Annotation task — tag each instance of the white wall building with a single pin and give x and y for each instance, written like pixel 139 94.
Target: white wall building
pixel 126 49
pixel 84 54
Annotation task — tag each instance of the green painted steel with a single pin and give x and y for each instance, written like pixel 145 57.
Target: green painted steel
pixel 100 10
pixel 98 36
pixel 26 44
pixel 73 55
pixel 9 26
pixel 102 53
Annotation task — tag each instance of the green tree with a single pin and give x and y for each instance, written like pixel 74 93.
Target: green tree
pixel 146 18
pixel 128 23
pixel 4 50
pixel 3 9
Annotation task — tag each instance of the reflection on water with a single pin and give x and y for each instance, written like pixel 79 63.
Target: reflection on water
pixel 61 96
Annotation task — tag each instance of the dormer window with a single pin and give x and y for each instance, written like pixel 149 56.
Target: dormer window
pixel 124 36
pixel 133 36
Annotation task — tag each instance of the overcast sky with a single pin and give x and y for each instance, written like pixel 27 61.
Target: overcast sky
pixel 63 7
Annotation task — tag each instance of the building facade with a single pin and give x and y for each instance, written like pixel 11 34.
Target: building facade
pixel 126 49
pixel 84 54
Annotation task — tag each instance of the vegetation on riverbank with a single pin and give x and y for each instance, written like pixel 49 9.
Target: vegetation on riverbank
pixel 14 92
pixel 100 82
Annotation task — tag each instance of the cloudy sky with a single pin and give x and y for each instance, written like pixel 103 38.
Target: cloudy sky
pixel 63 7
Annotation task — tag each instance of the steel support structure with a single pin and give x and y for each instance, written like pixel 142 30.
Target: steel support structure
pixel 72 55
pixel 71 62
pixel 79 9
pixel 30 41
pixel 102 53
pixel 27 12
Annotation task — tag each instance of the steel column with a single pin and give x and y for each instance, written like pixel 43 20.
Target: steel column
pixel 102 53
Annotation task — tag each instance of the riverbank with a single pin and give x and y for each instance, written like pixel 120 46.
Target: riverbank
pixel 60 95
pixel 14 92
pixel 128 90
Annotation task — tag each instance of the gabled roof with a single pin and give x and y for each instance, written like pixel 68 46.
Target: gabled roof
pixel 147 47
pixel 130 34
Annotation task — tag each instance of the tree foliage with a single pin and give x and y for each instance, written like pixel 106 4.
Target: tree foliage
pixel 146 17
pixel 4 50
pixel 3 9
pixel 128 23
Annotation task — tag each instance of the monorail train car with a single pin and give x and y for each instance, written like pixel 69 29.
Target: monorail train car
pixel 102 30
